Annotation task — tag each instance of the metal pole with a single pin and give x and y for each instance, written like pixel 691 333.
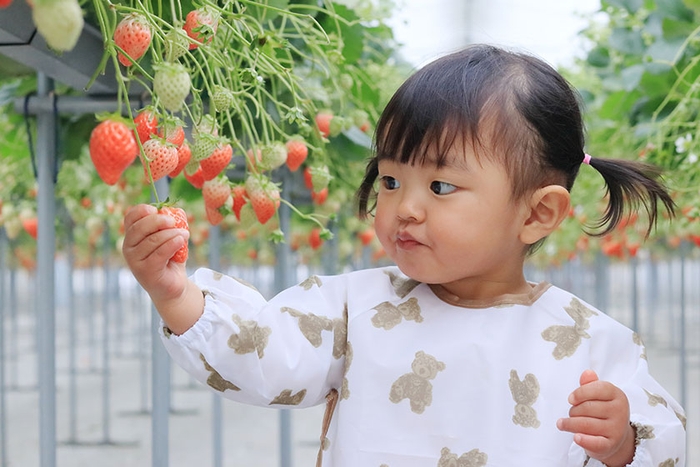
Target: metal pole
pixel 216 407
pixel 284 277
pixel 683 360
pixel 46 163
pixel 72 344
pixel 105 337
pixel 160 389
pixel 4 462
pixel 635 295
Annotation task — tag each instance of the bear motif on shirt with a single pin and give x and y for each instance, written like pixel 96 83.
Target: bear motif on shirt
pixel 340 334
pixel 389 315
pixel 655 399
pixel 310 281
pixel 637 339
pixel 416 386
pixel 525 394
pixel 473 458
pixel 287 398
pixel 344 388
pixel 250 338
pixel 402 285
pixel 669 462
pixel 568 338
pixel 310 325
pixel 215 380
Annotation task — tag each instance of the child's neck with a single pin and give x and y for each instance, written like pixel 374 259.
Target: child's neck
pixel 482 290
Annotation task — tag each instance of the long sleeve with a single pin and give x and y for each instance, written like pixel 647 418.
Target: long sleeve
pixel 286 351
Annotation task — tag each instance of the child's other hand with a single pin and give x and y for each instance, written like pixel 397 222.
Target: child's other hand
pixel 149 242
pixel 600 420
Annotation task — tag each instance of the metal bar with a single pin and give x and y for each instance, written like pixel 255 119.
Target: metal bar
pixel 284 277
pixel 46 324
pixel 4 462
pixel 217 425
pixel 72 338
pixel 683 331
pixel 635 295
pixel 105 336
pixel 74 105
pixel 160 389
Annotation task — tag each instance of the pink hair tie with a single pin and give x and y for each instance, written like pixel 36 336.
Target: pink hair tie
pixel 587 159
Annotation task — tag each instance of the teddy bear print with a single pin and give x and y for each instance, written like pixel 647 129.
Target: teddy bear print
pixel 402 285
pixel 287 398
pixel 310 282
pixel 215 380
pixel 669 462
pixel 473 458
pixel 389 315
pixel 344 388
pixel 310 325
pixel 525 393
pixel 250 337
pixel 655 399
pixel 568 338
pixel 416 386
pixel 637 339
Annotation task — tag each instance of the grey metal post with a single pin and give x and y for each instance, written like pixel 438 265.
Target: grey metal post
pixel 683 360
pixel 4 462
pixel 72 338
pixel 217 425
pixel 160 388
pixel 46 323
pixel 14 330
pixel 635 295
pixel 105 337
pixel 284 278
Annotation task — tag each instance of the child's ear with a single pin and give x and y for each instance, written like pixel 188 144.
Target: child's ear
pixel 548 207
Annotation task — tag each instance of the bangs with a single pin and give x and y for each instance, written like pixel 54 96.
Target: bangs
pixel 428 115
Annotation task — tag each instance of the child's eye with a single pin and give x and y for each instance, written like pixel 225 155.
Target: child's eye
pixel 390 183
pixel 442 188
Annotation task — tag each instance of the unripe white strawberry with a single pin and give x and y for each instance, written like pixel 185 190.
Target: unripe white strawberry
pixel 221 98
pixel 171 84
pixel 320 177
pixel 176 44
pixel 272 156
pixel 59 22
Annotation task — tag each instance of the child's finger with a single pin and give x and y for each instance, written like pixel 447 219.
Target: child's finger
pixel 593 444
pixel 588 376
pixel 584 425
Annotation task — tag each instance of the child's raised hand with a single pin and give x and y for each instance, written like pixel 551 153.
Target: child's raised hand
pixel 599 419
pixel 150 241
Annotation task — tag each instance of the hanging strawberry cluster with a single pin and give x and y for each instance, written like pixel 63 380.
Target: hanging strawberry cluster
pixel 237 92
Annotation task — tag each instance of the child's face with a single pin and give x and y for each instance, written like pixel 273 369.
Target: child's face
pixel 456 225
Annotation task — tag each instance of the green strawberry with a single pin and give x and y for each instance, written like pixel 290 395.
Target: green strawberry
pixel 59 22
pixel 272 156
pixel 221 98
pixel 171 84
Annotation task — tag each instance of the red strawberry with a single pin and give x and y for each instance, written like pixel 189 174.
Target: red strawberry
pixel 201 25
pixel 195 177
pixel 180 223
pixel 264 197
pixel 307 178
pixel 366 236
pixel 315 240
pixel 296 153
pixel 184 154
pixel 133 36
pixel 171 84
pixel 215 192
pixel 173 134
pixel 112 149
pixel 5 3
pixel 161 158
pixel 239 199
pixel 217 161
pixel 319 197
pixel 214 216
pixel 31 226
pixel 323 122
pixel 146 125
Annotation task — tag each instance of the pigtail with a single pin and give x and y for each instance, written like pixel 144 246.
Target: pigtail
pixel 631 184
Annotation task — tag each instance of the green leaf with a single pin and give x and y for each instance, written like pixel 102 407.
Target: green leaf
pixel 630 5
pixel 266 14
pixel 599 57
pixel 353 35
pixel 627 41
pixel 664 51
pixel 675 9
pixel 618 105
pixel 677 29
pixel 631 76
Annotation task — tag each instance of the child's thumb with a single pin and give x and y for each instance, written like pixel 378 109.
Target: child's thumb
pixel 588 376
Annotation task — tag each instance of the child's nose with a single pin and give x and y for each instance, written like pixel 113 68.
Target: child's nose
pixel 410 208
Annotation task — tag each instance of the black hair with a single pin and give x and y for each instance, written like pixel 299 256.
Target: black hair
pixel 511 107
